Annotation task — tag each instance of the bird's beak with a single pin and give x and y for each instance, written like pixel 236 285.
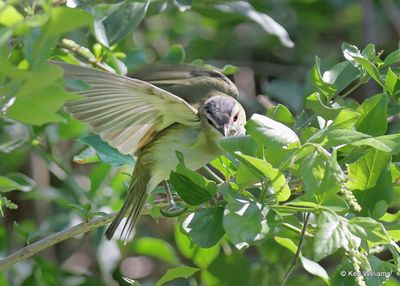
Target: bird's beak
pixel 232 130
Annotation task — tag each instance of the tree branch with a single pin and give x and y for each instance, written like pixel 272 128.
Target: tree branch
pixel 84 53
pixel 297 255
pixel 40 245
pixel 53 239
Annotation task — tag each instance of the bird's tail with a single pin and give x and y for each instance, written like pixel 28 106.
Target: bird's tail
pixel 133 205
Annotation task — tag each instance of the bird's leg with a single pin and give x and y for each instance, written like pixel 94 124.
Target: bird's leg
pixel 172 205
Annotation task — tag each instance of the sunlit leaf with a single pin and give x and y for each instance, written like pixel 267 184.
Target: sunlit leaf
pixel 266 22
pixel 261 169
pixel 177 272
pixel 270 133
pixel 373 120
pixel 364 173
pixel 314 268
pixel 156 248
pixel 205 226
pixel 244 220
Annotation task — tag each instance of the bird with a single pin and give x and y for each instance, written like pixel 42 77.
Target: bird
pixel 152 115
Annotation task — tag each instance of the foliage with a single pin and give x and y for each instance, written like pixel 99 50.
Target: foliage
pixel 333 156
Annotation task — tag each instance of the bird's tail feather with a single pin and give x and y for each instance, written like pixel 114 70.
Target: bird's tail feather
pixel 132 208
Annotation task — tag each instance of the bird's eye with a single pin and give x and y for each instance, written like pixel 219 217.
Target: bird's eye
pixel 235 118
pixel 210 122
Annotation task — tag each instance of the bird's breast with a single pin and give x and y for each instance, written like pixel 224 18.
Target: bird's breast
pixel 197 148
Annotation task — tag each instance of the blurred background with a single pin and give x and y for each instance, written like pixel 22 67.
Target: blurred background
pixel 58 193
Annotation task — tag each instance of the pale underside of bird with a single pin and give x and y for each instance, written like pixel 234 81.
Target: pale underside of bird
pixel 165 110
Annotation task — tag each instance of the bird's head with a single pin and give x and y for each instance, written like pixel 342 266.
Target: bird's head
pixel 223 114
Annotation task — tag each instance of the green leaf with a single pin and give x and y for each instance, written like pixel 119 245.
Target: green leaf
pixel 341 75
pixel 317 103
pixel 350 52
pixel 391 80
pixel 332 234
pixel 379 266
pixel 38 47
pixel 64 20
pixel 332 201
pixel 244 220
pixel 225 166
pixel 369 230
pixel 261 169
pixel 376 200
pixel 246 177
pixel 34 81
pixel 156 248
pixel 99 175
pixel 281 114
pixel 228 69
pixel 9 16
pixel 321 173
pixel 369 52
pixel 371 69
pixel 107 153
pixel 270 133
pixel 392 141
pixel 119 21
pixel 364 173
pixel 315 269
pixel 324 87
pixel 377 144
pixel 201 257
pixel 392 58
pixel 16 181
pixel 205 226
pixel 336 137
pixel 177 272
pixel 40 106
pixel 193 188
pixel 373 120
pixel 71 128
pixel 244 144
pixel 268 24
pixel 286 243
pixel 345 119
pixel 175 55
pixel 228 270
pixel 88 155
pixel 190 192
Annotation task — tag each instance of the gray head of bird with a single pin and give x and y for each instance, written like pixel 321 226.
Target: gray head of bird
pixel 223 115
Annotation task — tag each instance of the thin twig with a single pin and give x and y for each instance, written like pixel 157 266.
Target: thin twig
pixel 297 255
pixel 58 237
pixel 213 175
pixel 84 53
pixel 53 239
pixel 353 88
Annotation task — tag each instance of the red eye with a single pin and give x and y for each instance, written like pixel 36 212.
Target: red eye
pixel 235 118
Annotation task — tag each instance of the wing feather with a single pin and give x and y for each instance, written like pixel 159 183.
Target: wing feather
pixel 127 113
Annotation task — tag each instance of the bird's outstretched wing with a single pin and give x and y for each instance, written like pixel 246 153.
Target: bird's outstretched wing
pixel 192 83
pixel 127 113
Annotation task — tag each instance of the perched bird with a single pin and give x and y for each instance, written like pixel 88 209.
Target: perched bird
pixel 163 110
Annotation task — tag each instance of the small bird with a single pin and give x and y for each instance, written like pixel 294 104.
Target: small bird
pixel 164 109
